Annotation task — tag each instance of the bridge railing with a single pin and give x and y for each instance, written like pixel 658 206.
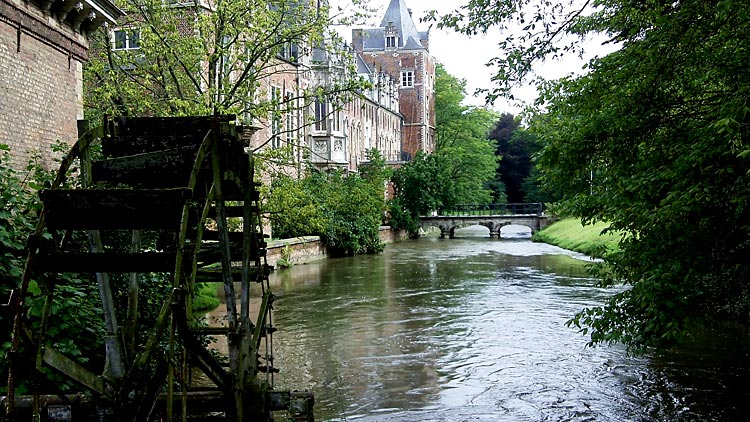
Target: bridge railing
pixel 536 208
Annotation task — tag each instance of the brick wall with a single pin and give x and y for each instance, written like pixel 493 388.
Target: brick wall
pixel 416 103
pixel 40 90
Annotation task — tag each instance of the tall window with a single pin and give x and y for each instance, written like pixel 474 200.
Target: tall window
pixel 337 120
pixel 127 39
pixel 390 41
pixel 321 115
pixel 276 117
pixel 291 119
pixel 407 78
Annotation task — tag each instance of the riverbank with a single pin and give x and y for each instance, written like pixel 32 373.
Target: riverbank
pixel 570 234
pixel 284 253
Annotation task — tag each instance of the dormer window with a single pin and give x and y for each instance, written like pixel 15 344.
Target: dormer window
pixel 390 41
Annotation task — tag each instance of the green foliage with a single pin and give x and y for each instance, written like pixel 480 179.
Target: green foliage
pixel 516 147
pixel 209 57
pixel 466 154
pixel 286 258
pixel 205 298
pixel 77 315
pixel 294 209
pixel 655 141
pixel 345 210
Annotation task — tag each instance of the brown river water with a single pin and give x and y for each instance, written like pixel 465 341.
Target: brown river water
pixel 473 329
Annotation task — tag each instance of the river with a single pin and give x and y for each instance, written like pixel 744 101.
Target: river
pixel 473 329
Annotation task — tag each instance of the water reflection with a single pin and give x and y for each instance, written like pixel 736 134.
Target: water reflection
pixel 473 329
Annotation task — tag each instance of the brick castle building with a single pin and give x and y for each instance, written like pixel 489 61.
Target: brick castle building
pixel 398 49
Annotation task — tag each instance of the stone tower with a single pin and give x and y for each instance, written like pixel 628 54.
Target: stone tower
pixel 397 48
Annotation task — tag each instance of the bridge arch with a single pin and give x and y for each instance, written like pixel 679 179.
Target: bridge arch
pixel 448 224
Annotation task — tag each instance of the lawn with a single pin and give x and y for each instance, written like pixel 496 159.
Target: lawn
pixel 570 234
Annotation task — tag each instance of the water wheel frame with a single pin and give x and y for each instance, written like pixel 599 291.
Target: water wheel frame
pixel 183 177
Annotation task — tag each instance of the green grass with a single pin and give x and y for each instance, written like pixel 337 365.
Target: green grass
pixel 205 297
pixel 570 234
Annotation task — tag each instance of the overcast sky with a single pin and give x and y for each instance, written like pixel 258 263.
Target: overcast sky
pixel 466 57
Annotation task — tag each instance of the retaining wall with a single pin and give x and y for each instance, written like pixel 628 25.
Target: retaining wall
pixel 300 250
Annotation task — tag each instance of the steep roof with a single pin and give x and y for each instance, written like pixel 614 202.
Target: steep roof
pixel 400 16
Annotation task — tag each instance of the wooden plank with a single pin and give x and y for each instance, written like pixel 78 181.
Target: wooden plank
pixel 127 145
pixel 148 134
pixel 109 209
pixel 170 168
pixel 210 252
pixel 72 369
pixel 214 275
pixel 145 262
pixel 168 125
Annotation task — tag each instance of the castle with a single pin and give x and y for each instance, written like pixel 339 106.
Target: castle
pixel 399 50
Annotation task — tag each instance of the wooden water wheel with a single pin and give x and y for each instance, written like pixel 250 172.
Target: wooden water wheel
pixel 169 186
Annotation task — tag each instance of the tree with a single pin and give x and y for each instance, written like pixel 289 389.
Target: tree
pixel 345 210
pixel 655 140
pixel 461 144
pixel 514 147
pixel 200 58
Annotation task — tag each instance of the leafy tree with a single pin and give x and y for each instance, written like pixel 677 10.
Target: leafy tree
pixel 345 210
pixel 655 140
pixel 417 189
pixel 200 58
pixel 461 143
pixel 514 147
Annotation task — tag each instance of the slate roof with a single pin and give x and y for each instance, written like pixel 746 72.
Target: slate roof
pixel 399 16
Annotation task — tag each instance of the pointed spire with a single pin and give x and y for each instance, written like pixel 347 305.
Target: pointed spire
pixel 399 16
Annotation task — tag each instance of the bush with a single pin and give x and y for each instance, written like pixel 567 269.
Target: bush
pixel 345 210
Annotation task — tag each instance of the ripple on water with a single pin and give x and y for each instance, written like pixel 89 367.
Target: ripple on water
pixel 474 330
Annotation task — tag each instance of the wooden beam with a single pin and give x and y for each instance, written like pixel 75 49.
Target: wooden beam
pixel 158 169
pixel 109 209
pixel 145 262
pixel 73 370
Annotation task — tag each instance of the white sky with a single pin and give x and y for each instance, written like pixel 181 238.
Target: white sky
pixel 466 57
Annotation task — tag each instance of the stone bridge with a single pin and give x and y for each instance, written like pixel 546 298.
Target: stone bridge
pixel 529 215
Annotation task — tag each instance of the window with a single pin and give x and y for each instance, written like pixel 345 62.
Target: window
pixel 290 51
pixel 321 115
pixel 390 41
pixel 291 118
pixel 127 39
pixel 337 120
pixel 276 117
pixel 407 78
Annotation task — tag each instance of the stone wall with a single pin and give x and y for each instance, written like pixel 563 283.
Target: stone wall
pixel 300 250
pixel 388 235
